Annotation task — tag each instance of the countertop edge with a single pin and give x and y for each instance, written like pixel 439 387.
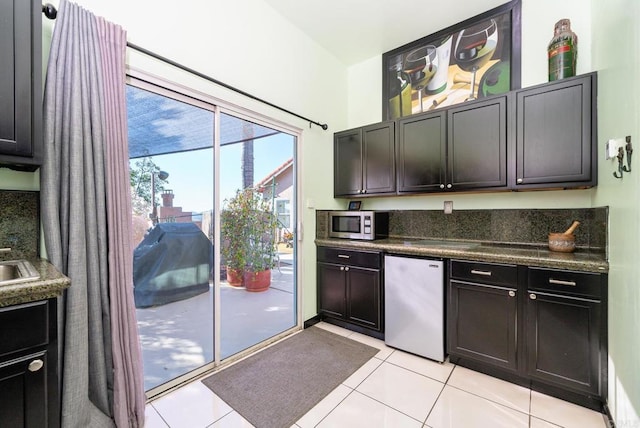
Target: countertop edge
pixel 579 261
pixel 51 284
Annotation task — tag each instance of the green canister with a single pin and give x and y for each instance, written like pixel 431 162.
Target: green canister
pixel 562 51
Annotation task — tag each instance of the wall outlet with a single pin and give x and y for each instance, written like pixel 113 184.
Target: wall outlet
pixel 612 147
pixel 448 207
pixel 310 203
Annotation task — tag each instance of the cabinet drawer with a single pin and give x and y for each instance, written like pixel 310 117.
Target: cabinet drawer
pixel 369 259
pixel 485 272
pixel 23 327
pixel 565 282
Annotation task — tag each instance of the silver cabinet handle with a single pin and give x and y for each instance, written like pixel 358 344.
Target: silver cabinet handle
pixel 519 180
pixel 364 190
pixel 481 272
pixel 344 256
pixel 442 186
pixel 341 267
pixel 532 296
pixel 560 282
pixel 346 268
pixel 449 186
pixel 35 365
pixel 512 294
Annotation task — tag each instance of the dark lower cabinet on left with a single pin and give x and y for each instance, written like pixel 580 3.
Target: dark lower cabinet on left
pixel 350 287
pixel 28 365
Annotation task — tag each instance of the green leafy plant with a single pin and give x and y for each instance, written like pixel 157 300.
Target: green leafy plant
pixel 247 226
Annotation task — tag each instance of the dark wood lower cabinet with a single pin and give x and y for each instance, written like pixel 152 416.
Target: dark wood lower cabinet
pixel 28 366
pixel 350 287
pixel 23 392
pixel 563 341
pixel 363 297
pixel 547 331
pixel 483 323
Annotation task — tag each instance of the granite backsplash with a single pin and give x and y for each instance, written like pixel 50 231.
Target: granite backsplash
pixel 509 226
pixel 19 224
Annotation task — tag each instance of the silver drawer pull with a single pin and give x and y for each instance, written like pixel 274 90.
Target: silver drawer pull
pixel 560 282
pixel 532 296
pixel 481 272
pixel 512 294
pixel 35 365
pixel 344 256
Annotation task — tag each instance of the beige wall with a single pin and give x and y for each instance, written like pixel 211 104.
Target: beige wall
pixel 616 56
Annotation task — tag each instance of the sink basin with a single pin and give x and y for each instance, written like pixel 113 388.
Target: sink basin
pixel 17 271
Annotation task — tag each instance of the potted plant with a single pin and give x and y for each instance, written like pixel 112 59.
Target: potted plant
pixel 248 227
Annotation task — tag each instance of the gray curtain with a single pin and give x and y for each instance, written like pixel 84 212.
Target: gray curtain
pixel 86 217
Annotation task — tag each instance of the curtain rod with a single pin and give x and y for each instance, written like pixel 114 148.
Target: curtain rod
pixel 50 12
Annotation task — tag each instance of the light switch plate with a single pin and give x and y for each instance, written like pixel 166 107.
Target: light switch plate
pixel 448 207
pixel 612 147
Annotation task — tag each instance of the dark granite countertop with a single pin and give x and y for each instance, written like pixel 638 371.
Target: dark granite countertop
pixel 583 260
pixel 50 284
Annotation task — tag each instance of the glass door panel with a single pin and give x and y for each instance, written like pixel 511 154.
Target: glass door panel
pixel 257 200
pixel 171 166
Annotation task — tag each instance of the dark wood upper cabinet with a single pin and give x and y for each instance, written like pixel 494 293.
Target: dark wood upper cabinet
pixel 540 137
pixel 556 136
pixel 347 158
pixel 456 149
pixel 422 152
pixel 364 160
pixel 477 145
pixel 20 84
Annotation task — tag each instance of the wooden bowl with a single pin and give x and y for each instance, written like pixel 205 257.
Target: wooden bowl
pixel 562 243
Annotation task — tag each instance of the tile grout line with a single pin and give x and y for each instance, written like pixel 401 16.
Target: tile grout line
pixel 160 414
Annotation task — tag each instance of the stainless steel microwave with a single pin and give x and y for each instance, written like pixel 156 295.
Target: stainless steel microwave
pixel 367 225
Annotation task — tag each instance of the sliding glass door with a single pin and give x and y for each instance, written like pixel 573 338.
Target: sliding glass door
pixel 189 318
pixel 257 293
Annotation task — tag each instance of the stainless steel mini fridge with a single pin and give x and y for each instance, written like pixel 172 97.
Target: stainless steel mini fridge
pixel 414 305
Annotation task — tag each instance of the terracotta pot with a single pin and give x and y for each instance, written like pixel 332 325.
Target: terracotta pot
pixel 257 281
pixel 235 277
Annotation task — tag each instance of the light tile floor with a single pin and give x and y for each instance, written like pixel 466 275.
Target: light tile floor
pixel 393 389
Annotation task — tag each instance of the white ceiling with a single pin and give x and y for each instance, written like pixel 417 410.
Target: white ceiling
pixel 355 30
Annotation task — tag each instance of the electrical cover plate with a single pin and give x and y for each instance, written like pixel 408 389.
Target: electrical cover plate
pixel 612 147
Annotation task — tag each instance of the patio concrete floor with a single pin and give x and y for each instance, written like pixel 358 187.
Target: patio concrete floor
pixel 178 337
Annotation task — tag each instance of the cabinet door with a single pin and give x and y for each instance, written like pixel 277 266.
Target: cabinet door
pixel 23 392
pixel 477 145
pixel 20 103
pixel 421 153
pixel 483 323
pixel 363 297
pixel 378 157
pixel 555 140
pixel 563 341
pixel 347 164
pixel 331 290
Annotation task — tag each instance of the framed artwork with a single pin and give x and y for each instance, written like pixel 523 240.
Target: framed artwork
pixel 475 58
